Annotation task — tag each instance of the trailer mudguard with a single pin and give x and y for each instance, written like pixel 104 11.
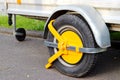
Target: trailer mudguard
pixel 92 17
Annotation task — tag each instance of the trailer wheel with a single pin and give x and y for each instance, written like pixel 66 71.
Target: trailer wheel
pixel 20 34
pixel 73 29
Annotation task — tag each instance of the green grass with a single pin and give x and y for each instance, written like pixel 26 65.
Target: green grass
pixel 23 22
pixel 115 35
pixel 3 21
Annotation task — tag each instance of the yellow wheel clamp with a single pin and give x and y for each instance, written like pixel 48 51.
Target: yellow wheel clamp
pixel 63 46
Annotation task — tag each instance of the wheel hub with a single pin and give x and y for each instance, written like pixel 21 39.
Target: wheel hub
pixel 71 57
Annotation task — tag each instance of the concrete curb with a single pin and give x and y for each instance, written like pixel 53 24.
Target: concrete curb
pixel 38 34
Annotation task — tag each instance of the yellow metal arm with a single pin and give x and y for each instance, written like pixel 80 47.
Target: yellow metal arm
pixel 61 46
pixel 53 58
pixel 54 32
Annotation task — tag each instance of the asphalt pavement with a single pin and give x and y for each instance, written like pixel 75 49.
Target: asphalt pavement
pixel 26 60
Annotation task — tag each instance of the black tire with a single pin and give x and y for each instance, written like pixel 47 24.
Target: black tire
pixel 20 34
pixel 79 26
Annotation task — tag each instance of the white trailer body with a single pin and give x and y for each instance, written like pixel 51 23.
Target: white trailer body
pixel 87 22
pixel 2 6
pixel 109 9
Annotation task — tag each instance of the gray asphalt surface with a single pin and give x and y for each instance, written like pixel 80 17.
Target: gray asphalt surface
pixel 26 61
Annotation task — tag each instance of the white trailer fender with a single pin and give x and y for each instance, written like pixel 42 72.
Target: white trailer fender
pixel 93 18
